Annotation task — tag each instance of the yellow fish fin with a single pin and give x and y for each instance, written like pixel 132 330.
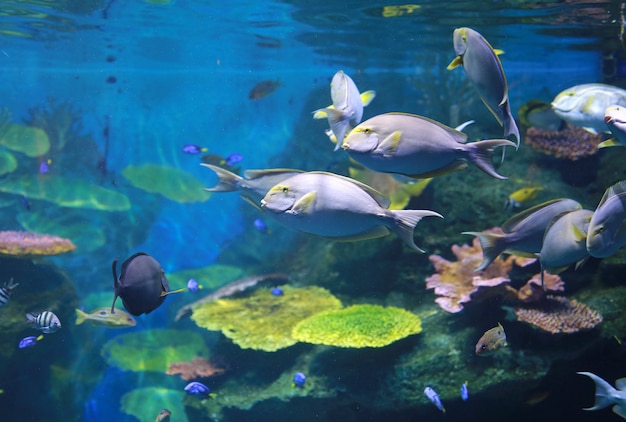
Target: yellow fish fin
pixel 321 113
pixel 367 97
pixel 579 235
pixel 458 61
pixel 304 204
pixel 498 51
pixel 80 316
pixel 172 292
pixel 389 145
pixel 610 143
pixel 39 337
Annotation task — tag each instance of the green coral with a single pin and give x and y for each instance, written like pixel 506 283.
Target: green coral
pixel 146 403
pixel 210 277
pixel 263 321
pixel 358 326
pixel 66 192
pixel 173 183
pixel 153 350
pixel 29 140
pixel 8 163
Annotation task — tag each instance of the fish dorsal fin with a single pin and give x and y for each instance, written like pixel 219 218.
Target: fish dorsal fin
pixel 459 136
pixel 456 62
pixel 509 225
pixel 255 174
pixel 621 384
pixel 304 204
pixel 367 97
pixel 381 199
pixel 389 145
pixel 616 189
pixel 498 51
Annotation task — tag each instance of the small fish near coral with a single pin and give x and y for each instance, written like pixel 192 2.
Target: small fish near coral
pixel 142 284
pixel 277 291
pixel 194 149
pixel 6 291
pixel 491 340
pixel 46 321
pixel 464 392
pixel 432 395
pixel 28 342
pixel 199 390
pixel 606 395
pixel 521 197
pixel 103 317
pixel 163 416
pixel 193 285
pixel 263 89
pixel 298 380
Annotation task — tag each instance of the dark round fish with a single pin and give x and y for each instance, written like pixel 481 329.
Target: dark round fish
pixel 142 284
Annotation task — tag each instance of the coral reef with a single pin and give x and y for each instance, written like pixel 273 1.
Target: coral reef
pixel 8 162
pixel 153 350
pixel 571 143
pixel 198 367
pixel 358 326
pixel 557 314
pixel 27 245
pixel 172 183
pixel 262 321
pixel 60 121
pixel 31 141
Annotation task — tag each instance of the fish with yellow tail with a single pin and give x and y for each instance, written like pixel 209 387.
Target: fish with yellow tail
pixel 606 395
pixel 346 110
pixel 606 234
pixel 484 70
pixel 615 119
pixel 103 317
pixel 521 197
pixel 491 340
pixel 337 207
pixel 418 147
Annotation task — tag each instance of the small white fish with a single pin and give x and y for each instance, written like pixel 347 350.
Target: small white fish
pixel 46 321
pixel 6 291
pixel 606 234
pixel 584 105
pixel 340 208
pixel 565 241
pixel 606 395
pixel 615 119
pixel 347 108
pixel 434 398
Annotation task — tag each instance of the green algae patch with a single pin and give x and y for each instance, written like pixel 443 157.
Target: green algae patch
pixel 263 321
pixel 153 350
pixel 28 140
pixel 146 403
pixel 358 326
pixel 209 278
pixel 8 162
pixel 172 183
pixel 66 192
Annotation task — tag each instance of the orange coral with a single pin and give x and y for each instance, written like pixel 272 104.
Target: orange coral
pixel 22 244
pixel 198 367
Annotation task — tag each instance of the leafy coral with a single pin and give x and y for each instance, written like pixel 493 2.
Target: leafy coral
pixel 153 350
pixel 8 162
pixel 173 183
pixel 145 403
pixel 263 321
pixel 358 326
pixel 29 140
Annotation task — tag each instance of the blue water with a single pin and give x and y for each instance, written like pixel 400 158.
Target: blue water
pixel 156 75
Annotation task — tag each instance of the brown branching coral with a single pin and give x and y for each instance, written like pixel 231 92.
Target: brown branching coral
pixel 198 367
pixel 556 314
pixel 60 121
pixel 572 142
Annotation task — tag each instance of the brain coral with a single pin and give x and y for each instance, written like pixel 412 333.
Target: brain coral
pixel 358 326
pixel 263 321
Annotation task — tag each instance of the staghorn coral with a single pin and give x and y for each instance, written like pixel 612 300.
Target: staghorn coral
pixel 358 326
pixel 60 121
pixel 172 183
pixel 22 244
pixel 262 321
pixel 557 314
pixel 197 367
pixel 570 143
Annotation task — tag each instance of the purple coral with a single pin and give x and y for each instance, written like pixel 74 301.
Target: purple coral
pixel 23 244
pixel 556 314
pixel 571 143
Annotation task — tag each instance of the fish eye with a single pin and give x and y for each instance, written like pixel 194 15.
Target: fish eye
pixel 285 190
pixel 367 131
pixel 103 313
pixel 483 347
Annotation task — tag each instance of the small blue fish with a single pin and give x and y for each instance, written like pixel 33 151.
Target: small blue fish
pixel 6 291
pixel 277 291
pixel 260 226
pixel 299 379
pixel 434 398
pixel 25 202
pixel 464 391
pixel 44 166
pixel 198 389
pixel 29 341
pixel 194 149
pixel 193 285
pixel 233 159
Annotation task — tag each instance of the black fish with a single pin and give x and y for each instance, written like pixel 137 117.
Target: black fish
pixel 142 285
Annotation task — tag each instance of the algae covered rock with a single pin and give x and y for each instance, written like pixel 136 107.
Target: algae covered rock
pixel 263 321
pixel 152 350
pixel 358 326
pixel 145 403
pixel 172 183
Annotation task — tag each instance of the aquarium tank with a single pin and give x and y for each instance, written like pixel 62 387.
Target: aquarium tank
pixel 312 210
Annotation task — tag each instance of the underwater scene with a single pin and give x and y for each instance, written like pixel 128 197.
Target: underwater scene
pixel 312 210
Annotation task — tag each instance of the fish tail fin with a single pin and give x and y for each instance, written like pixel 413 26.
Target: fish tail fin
pixel 491 245
pixel 31 318
pixel 481 153
pixel 226 180
pixel 604 392
pixel 406 220
pixel 508 122
pixel 80 316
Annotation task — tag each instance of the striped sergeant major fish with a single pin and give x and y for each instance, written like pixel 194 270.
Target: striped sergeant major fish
pixel 6 291
pixel 46 321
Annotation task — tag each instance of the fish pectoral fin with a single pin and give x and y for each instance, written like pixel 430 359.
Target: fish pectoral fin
pixel 322 113
pixel 579 235
pixel 389 145
pixel 610 143
pixel 367 97
pixel 591 130
pixel 304 205
pixel 164 293
pixel 498 51
pixel 456 62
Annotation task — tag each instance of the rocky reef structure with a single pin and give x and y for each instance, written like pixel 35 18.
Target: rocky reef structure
pixel 571 143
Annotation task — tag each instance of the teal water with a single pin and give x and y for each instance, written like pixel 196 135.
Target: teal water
pixel 142 79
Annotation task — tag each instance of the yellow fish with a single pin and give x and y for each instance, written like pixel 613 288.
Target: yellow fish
pixel 104 318
pixel 491 341
pixel 521 197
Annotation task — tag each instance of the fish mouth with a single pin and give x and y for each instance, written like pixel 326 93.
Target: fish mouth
pixel 263 203
pixel 345 146
pixel 608 119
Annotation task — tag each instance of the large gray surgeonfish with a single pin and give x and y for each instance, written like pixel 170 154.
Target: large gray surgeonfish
pixel 142 284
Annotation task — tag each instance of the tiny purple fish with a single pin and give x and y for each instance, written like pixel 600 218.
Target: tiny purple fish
pixel 299 379
pixel 233 159
pixel 194 149
pixel 277 291
pixel 260 226
pixel 198 389
pixel 434 398
pixel 44 166
pixel 193 285
pixel 464 391
pixel 29 341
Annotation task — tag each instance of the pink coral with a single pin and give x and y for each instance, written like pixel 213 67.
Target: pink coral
pixel 197 368
pixel 572 142
pixel 533 289
pixel 556 314
pixel 22 244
